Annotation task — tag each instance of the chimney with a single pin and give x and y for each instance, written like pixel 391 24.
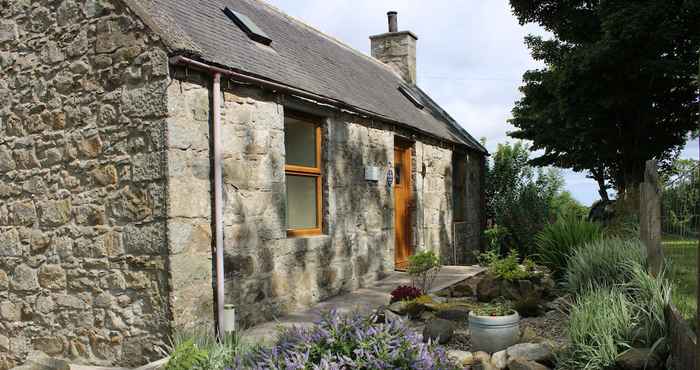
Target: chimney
pixel 397 49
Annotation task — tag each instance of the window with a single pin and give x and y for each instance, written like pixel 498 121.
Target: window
pixel 248 26
pixel 459 187
pixel 302 141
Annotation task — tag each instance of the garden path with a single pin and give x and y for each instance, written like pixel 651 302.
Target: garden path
pixel 362 300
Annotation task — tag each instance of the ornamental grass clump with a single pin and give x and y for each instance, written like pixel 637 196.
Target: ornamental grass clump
pixel 601 321
pixel 556 243
pixel 650 296
pixel 603 263
pixel 348 342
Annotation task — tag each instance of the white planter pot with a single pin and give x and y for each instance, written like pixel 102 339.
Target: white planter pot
pixel 493 333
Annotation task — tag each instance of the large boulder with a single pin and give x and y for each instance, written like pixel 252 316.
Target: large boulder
pixel 523 364
pixel 438 330
pixel 539 352
pixel 638 359
pixel 488 288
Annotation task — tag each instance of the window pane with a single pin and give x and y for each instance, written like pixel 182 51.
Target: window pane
pixel 301 202
pixel 300 142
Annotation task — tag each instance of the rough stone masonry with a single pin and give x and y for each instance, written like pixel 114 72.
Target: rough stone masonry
pixel 105 192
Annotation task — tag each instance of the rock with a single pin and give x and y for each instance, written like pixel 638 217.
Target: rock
pixel 562 304
pixel 438 330
pixel 399 308
pixel 463 289
pixel 540 352
pixel 499 360
pixel 637 359
pixel 52 277
pixel 38 360
pixel 457 313
pixel 523 364
pixel 49 345
pixel 488 288
pixel 24 278
pixel 384 315
pixel 482 356
pixel 463 358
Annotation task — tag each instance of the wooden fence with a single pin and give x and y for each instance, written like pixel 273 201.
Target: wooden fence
pixel 683 341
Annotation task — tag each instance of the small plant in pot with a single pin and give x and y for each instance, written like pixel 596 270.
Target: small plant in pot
pixel 494 327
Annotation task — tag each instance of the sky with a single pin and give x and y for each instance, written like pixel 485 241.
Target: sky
pixel 470 58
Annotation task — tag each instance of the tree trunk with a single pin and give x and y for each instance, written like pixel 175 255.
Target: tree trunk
pixel 650 218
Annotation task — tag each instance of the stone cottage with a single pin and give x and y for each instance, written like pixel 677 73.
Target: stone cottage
pixel 161 157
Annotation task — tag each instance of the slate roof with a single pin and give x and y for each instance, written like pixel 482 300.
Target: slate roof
pixel 299 56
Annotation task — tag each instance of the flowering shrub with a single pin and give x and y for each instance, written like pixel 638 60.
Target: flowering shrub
pixel 405 293
pixel 348 342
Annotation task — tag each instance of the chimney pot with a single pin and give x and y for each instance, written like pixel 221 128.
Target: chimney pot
pixel 393 21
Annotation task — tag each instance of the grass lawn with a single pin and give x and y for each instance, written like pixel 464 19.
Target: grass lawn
pixel 682 257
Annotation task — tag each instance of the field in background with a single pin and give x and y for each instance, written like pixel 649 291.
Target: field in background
pixel 682 257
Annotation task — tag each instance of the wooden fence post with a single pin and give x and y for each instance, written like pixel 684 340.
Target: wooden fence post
pixel 650 218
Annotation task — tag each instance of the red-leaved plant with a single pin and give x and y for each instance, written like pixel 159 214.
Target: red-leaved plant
pixel 405 293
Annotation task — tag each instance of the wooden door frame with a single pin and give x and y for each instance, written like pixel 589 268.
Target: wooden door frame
pixel 406 147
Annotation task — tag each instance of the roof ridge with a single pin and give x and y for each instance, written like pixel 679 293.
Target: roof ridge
pixel 329 37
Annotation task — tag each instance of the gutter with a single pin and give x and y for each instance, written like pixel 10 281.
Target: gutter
pixel 181 59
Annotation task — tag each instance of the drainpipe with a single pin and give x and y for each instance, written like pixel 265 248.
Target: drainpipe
pixel 218 202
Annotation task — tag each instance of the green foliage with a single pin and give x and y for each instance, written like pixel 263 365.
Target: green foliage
pixel 507 267
pixel 199 350
pixel 610 316
pixel 618 86
pixel 494 309
pixel 682 270
pixel 495 237
pixel 681 195
pixel 519 197
pixel 423 268
pixel 564 205
pixel 556 242
pixel 650 297
pixel 602 263
pixel 600 322
pixel 187 355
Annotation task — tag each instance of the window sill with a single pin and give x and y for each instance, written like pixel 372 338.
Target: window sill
pixel 308 233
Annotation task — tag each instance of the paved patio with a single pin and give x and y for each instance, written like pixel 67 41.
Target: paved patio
pixel 363 300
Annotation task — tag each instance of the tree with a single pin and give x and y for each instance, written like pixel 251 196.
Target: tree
pixel 518 197
pixel 617 88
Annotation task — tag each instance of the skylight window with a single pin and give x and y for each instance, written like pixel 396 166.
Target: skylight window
pixel 410 96
pixel 247 26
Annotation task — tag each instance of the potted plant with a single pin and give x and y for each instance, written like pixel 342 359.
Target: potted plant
pixel 493 328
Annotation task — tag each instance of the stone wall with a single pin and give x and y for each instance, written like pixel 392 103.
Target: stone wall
pixel 189 194
pixel 269 274
pixel 468 234
pixel 82 192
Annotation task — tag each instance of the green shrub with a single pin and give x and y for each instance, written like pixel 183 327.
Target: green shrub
pixel 556 242
pixel 603 263
pixel 199 349
pixel 187 355
pixel 507 267
pixel 423 267
pixel 495 237
pixel 601 321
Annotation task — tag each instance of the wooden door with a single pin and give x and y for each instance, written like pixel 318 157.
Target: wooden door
pixel 402 203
